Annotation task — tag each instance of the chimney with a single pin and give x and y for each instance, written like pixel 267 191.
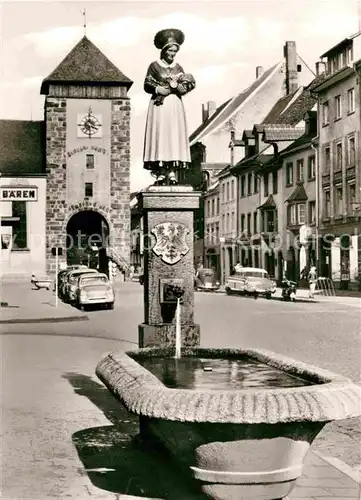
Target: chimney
pixel 259 71
pixel 310 123
pixel 320 67
pixel 290 55
pixel 211 108
pixel 204 113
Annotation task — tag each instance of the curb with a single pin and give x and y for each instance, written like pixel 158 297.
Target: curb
pixel 63 319
pixel 340 466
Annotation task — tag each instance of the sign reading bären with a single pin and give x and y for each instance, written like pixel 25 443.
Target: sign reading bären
pixel 16 193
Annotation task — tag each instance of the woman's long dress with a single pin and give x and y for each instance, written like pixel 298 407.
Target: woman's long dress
pixel 166 144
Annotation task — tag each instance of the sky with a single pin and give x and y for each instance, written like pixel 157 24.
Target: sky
pixel 224 42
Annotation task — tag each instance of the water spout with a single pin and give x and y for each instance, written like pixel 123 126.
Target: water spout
pixel 178 333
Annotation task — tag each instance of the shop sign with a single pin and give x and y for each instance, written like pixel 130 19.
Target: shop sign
pixel 12 193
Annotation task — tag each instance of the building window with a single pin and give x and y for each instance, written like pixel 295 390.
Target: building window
pixel 243 220
pixel 249 187
pixel 312 212
pixel 325 113
pixel 223 193
pixel 351 198
pixel 217 206
pixel 227 191
pixel 20 239
pixel 299 170
pixel 232 190
pixel 228 223
pixel 338 200
pixel 249 225
pixel 351 152
pixel 275 182
pixel 269 221
pixel 338 107
pixel 351 101
pixel 217 232
pixel 255 223
pixel 223 224
pixel 243 185
pixel 213 210
pixel 327 160
pixel 289 174
pixel 90 161
pixel 256 184
pixel 349 55
pixel 338 165
pixel 88 189
pixel 208 208
pixel 311 167
pixel 327 205
pixel 296 214
pixel 265 184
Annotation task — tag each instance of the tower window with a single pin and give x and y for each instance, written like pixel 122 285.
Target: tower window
pixel 88 189
pixel 89 161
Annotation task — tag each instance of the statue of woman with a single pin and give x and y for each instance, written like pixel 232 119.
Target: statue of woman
pixel 166 145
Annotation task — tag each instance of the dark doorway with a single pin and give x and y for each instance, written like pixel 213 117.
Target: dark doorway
pixel 213 262
pixel 87 240
pixel 230 260
pixel 280 267
pixel 270 263
pixel 326 263
pixel 291 272
pixel 345 243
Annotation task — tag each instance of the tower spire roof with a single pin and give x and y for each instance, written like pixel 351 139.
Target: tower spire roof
pixel 86 64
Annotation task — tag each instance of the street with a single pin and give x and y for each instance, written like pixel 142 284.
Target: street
pixel 326 334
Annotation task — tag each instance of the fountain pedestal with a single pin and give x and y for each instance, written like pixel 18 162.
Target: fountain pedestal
pixel 168 215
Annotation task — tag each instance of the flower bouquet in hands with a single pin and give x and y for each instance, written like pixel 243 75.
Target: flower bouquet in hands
pixel 180 83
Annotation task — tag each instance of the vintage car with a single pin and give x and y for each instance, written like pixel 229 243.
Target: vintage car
pixel 251 281
pixel 71 281
pixel 62 276
pixel 206 280
pixel 94 289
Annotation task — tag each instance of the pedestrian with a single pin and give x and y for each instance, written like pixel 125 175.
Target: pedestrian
pixel 131 272
pixel 312 280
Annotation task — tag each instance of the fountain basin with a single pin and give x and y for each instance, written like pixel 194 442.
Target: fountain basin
pixel 242 436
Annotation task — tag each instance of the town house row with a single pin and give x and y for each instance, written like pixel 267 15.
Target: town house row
pixel 293 199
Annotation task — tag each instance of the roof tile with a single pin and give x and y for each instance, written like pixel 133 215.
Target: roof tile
pixel 86 63
pixel 275 133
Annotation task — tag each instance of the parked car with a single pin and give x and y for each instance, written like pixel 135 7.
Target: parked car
pixel 62 275
pixel 206 280
pixel 70 283
pixel 94 289
pixel 251 281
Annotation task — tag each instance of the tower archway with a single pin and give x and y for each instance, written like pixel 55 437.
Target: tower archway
pixel 87 239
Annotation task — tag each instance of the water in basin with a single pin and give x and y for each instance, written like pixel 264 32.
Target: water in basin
pixel 219 374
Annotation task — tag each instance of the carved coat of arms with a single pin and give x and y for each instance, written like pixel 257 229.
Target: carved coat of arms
pixel 170 243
